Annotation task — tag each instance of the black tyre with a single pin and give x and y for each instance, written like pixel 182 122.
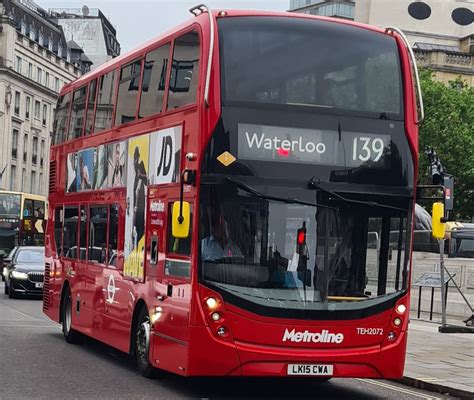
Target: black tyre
pixel 142 345
pixel 6 289
pixel 70 335
pixel 11 293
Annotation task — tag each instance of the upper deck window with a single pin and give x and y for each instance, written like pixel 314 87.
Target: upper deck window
pixel 127 92
pixel 304 62
pixel 77 113
pixel 184 77
pixel 154 81
pixel 105 102
pixel 61 118
pixel 90 107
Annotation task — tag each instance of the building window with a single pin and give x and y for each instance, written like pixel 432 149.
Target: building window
pixel 37 109
pixel 18 64
pixel 153 84
pixel 45 114
pixel 17 103
pixel 25 147
pixel 34 156
pixel 127 92
pixel 33 182
pixel 40 189
pixel 27 107
pixel 60 50
pixel 24 179
pixel 23 28
pixel 13 177
pixel 105 101
pixel 46 83
pixel 32 33
pixel 30 70
pixel 39 75
pixel 50 44
pixel 184 77
pixel 14 143
pixel 41 39
pixel 56 84
pixel 42 153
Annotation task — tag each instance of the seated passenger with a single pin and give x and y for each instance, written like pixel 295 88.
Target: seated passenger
pixel 218 245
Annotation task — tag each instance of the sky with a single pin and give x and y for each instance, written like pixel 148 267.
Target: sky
pixel 137 21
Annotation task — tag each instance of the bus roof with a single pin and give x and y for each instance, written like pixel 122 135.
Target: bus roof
pixel 26 195
pixel 201 19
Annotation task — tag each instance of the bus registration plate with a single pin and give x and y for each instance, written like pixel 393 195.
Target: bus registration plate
pixel 310 369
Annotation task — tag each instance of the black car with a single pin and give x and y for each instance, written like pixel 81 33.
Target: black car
pixel 25 273
pixel 4 262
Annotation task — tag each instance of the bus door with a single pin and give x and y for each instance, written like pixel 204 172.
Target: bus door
pixel 173 283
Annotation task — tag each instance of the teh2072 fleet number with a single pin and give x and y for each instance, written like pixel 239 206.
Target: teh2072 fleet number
pixel 370 331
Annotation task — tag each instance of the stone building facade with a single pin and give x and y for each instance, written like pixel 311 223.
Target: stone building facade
pixel 35 62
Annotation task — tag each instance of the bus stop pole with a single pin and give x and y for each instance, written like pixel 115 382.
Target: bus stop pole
pixel 443 288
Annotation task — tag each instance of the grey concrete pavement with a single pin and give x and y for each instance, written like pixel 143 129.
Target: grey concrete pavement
pixel 36 363
pixel 444 360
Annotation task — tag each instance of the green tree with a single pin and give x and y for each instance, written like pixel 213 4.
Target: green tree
pixel 449 129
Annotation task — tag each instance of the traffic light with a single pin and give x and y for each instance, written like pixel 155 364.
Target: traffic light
pixel 436 167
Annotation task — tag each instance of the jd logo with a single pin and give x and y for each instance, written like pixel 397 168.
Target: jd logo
pixel 165 157
pixel 165 151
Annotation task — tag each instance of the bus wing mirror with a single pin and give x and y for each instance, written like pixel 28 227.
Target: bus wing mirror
pixel 438 220
pixel 180 221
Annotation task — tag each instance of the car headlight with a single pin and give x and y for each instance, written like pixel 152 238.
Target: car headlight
pixel 4 272
pixel 19 275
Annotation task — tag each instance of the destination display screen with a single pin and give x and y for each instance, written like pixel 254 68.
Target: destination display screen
pixel 311 146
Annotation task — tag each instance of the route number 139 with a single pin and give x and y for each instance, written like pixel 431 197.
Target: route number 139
pixel 365 148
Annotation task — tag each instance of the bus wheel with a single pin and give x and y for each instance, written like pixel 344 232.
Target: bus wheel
pixel 70 334
pixel 142 345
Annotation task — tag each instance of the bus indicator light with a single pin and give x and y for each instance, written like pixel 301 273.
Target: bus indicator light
pixel 211 303
pixel 397 321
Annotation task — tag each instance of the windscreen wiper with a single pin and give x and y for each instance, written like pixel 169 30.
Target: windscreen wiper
pixel 315 183
pixel 287 200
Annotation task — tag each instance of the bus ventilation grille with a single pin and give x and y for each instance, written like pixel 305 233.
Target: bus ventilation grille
pixel 46 292
pixel 52 176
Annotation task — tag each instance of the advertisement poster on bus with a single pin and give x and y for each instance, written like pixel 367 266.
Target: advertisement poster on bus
pixel 85 167
pixel 116 164
pixel 137 181
pixel 165 155
pixel 100 167
pixel 71 173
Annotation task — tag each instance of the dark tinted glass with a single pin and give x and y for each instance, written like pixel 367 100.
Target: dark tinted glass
pixel 184 77
pixel 302 62
pixel 127 92
pixel 154 78
pixel 97 234
pixel 105 102
pixel 113 234
pixel 90 107
pixel 77 113
pixel 71 216
pixel 61 119
pixel 83 234
pixel 30 255
pixel 58 229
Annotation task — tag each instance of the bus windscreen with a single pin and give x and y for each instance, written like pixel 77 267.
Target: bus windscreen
pixel 309 63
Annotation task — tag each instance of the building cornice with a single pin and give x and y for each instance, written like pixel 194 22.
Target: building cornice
pixel 29 82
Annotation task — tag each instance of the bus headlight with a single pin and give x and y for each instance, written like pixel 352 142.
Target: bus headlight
pixel 401 308
pixel 19 275
pixel 211 303
pixel 397 321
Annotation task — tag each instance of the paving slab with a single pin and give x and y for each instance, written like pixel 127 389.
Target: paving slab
pixel 440 361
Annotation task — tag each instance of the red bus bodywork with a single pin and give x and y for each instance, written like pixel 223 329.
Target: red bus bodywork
pixel 184 339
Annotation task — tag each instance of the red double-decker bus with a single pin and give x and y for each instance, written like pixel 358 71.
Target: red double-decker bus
pixel 236 197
